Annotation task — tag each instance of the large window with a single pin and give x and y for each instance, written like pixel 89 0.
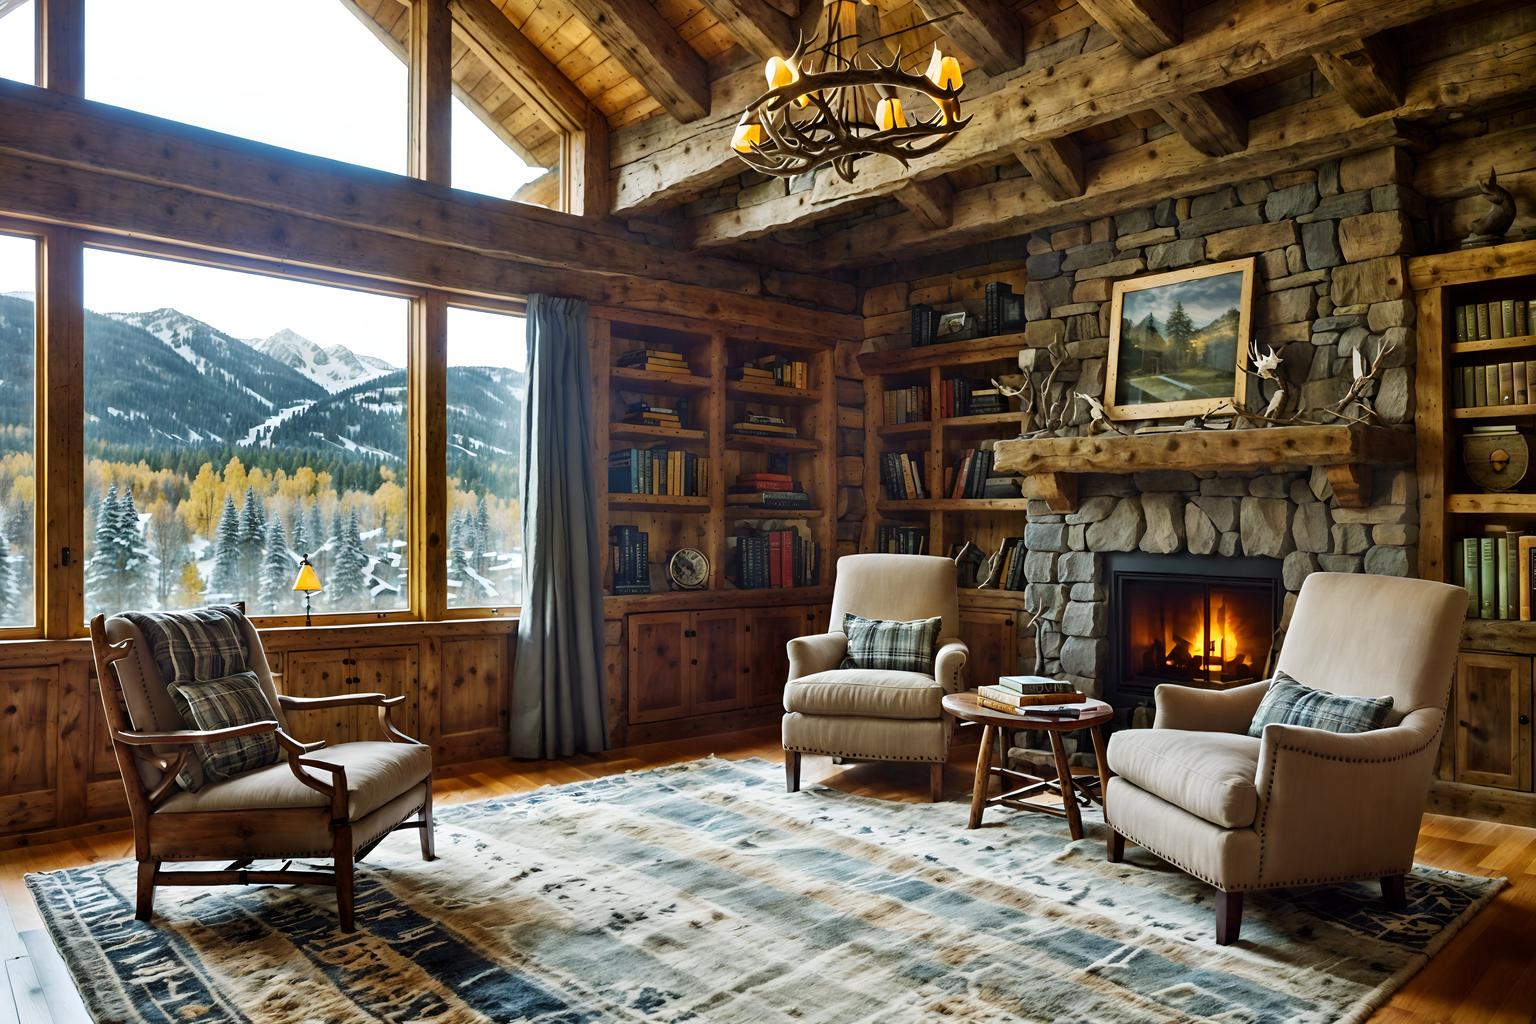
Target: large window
pixel 484 162
pixel 18 40
pixel 304 74
pixel 487 355
pixel 18 483
pixel 235 423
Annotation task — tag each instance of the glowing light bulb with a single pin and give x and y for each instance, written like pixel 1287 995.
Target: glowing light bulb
pixel 748 134
pixel 943 71
pixel 888 114
pixel 779 72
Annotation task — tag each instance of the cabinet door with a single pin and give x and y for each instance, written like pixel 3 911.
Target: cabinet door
pixel 29 736
pixel 717 665
pixel 471 704
pixel 392 672
pixel 769 631
pixel 993 639
pixel 1493 720
pixel 319 674
pixel 658 688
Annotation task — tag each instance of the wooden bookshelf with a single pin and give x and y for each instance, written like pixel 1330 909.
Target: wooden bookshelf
pixel 1486 758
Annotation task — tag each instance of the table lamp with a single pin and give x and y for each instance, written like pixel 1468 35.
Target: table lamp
pixel 308 583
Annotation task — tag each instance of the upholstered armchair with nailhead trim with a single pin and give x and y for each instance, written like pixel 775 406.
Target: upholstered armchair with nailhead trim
pixel 867 714
pixel 1299 806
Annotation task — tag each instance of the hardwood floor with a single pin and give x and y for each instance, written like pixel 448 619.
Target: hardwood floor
pixel 1486 975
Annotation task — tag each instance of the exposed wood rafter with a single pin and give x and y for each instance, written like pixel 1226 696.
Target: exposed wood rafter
pixel 1143 27
pixel 987 31
pixel 932 202
pixel 1208 120
pixel 1057 165
pixel 762 29
pixel 649 48
pixel 431 83
pixel 485 29
pixel 1366 73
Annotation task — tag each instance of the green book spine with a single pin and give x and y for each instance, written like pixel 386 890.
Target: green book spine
pixel 1479 386
pixel 1482 322
pixel 1469 316
pixel 1522 320
pixel 1459 317
pixel 1511 575
pixel 1487 579
pixel 1468 387
pixel 1470 576
pixel 1501 552
pixel 1507 314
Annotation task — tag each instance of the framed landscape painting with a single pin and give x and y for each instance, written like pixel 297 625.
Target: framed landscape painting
pixel 1178 342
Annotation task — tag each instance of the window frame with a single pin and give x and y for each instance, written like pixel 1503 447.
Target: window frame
pixel 37 235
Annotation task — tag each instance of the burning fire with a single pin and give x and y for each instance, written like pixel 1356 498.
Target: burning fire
pixel 1174 640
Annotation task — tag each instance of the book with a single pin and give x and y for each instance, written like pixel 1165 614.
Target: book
pixel 1522 318
pixel 1501 571
pixel 1522 384
pixel 1035 684
pixel 1506 383
pixel 1488 579
pixel 1482 322
pixel 1511 576
pixel 1471 573
pixel 1459 320
pixel 1025 709
pixel 1526 546
pixel 1507 317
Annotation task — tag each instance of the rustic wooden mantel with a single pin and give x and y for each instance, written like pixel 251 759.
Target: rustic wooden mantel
pixel 1050 465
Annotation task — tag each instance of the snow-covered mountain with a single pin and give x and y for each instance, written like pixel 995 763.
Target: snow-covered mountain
pixel 336 368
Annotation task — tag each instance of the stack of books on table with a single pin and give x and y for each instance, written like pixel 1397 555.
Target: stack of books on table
pixel 767 490
pixel 662 360
pixel 762 424
pixel 630 549
pixel 648 415
pixel 1021 694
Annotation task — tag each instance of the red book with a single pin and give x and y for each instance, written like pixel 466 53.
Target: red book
pixel 765 481
pixel 962 474
pixel 775 558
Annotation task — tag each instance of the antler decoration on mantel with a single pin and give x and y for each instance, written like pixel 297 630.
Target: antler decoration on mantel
pixel 1044 405
pixel 1356 405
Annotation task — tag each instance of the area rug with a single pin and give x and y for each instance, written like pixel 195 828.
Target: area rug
pixel 705 893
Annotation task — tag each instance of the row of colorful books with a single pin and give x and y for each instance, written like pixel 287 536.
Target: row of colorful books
pixel 761 424
pixel 971 476
pixel 658 471
pixel 901 475
pixel 629 549
pixel 649 414
pixel 906 405
pixel 767 490
pixel 779 370
pixel 1492 384
pixel 762 559
pixel 656 358
pixel 961 397
pixel 1496 569
pixel 891 539
pixel 1489 321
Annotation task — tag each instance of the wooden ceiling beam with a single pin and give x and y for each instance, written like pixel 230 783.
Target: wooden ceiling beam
pixel 1080 92
pixel 987 31
pixel 486 30
pixel 1057 164
pixel 1207 120
pixel 1367 73
pixel 649 48
pixel 1143 27
pixel 1464 84
pixel 931 203
pixel 762 29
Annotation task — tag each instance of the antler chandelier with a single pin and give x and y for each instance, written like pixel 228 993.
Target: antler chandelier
pixel 835 100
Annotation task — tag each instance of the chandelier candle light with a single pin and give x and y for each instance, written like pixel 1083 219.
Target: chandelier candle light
pixel 835 100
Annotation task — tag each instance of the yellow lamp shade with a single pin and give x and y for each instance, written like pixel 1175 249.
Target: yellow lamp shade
pixel 888 114
pixel 779 72
pixel 308 580
pixel 748 134
pixel 944 72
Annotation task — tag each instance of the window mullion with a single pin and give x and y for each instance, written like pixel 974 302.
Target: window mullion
pixel 60 445
pixel 426 469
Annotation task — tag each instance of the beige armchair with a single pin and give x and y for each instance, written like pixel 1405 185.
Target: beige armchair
pixel 867 715
pixel 337 803
pixel 1299 806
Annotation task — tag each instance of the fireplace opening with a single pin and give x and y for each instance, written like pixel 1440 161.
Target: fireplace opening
pixel 1194 620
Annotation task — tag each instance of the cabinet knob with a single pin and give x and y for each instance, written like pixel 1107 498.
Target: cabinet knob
pixel 1525 719
pixel 694 661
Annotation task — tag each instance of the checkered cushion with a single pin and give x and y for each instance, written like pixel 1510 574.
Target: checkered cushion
pixel 1291 703
pixel 220 704
pixel 891 646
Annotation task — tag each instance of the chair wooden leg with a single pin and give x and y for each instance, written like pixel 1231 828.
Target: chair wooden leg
pixel 936 781
pixel 428 845
pixel 346 874
pixel 1229 916
pixel 144 909
pixel 791 771
pixel 1116 850
pixel 1394 891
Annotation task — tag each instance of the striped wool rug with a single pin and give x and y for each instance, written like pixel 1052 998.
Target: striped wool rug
pixel 704 893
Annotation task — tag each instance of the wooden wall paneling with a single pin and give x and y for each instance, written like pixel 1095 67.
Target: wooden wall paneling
pixel 472 706
pixel 103 795
pixel 717 661
pixel 768 633
pixel 874 419
pixel 657 666
pixel 430 688
pixel 61 443
pixel 74 699
pixel 993 639
pixel 615 679
pixel 320 673
pixel 391 671
pixel 29 739
pixel 650 49
pixel 1432 456
pixel 761 28
pixel 1493 720
pixel 427 448
pixel 431 92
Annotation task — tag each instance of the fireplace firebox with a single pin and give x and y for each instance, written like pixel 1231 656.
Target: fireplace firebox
pixel 1196 620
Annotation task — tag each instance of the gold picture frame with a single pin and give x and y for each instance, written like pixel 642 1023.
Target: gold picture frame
pixel 1176 341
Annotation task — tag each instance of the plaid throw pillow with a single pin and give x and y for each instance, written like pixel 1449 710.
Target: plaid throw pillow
pixel 219 704
pixel 891 646
pixel 1292 703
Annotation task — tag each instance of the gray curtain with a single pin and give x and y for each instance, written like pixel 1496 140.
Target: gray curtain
pixel 557 686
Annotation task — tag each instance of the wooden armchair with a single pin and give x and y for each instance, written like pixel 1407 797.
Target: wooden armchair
pixel 340 804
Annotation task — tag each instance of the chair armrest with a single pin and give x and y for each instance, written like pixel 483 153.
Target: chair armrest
pixel 1195 710
pixel 820 653
pixel 189 737
pixel 949 664
pixel 338 700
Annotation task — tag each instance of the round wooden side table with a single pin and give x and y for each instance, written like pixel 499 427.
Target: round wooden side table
pixel 1094 714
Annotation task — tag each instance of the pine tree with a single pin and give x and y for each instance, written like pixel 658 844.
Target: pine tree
pixel 10 588
pixel 299 544
pixel 116 573
pixel 226 557
pixel 482 535
pixel 348 584
pixel 133 573
pixel 276 570
pixel 253 540
pixel 460 587
pixel 317 540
